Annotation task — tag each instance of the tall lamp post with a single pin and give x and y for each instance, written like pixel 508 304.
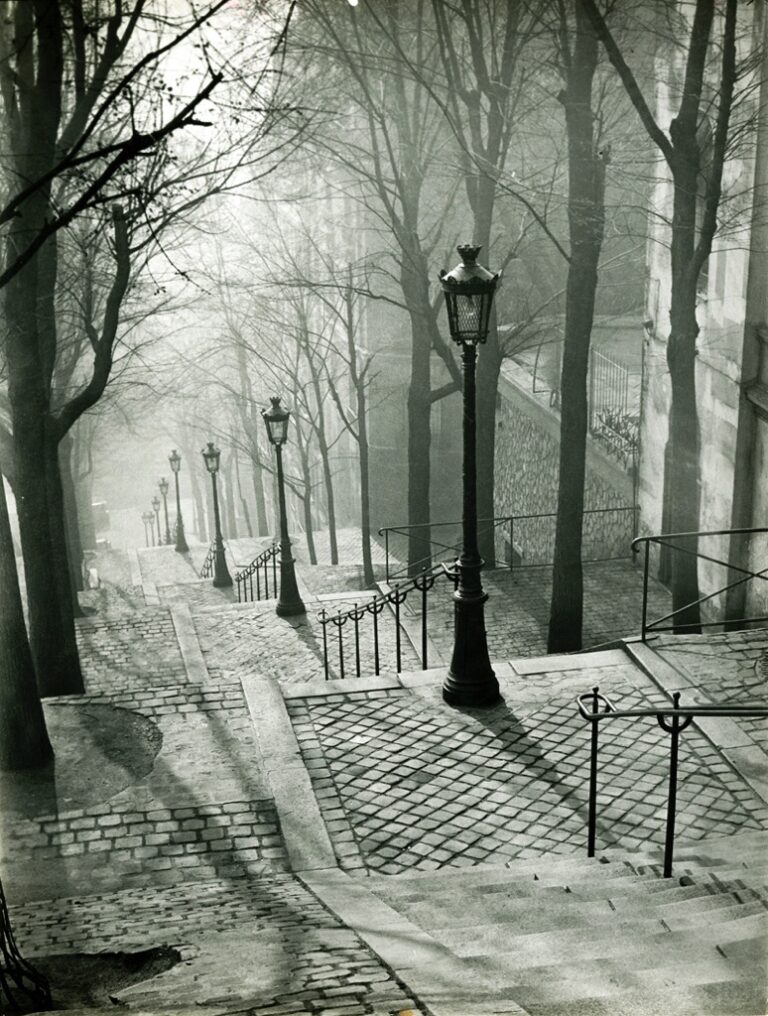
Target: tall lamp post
pixel 163 486
pixel 145 520
pixel 156 510
pixel 221 576
pixel 181 544
pixel 151 521
pixel 469 289
pixel 289 602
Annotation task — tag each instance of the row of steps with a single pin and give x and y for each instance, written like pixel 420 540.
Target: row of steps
pixel 569 936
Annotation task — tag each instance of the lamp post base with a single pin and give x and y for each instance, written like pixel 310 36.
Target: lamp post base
pixel 221 577
pixel 289 602
pixel 471 680
pixel 181 542
pixel 290 609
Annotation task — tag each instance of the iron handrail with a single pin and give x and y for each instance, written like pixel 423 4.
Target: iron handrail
pixel 497 521
pixel 206 571
pixel 662 540
pixel 394 598
pixel 259 565
pixel 674 721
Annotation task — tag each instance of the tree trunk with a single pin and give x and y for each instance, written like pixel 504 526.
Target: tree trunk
pixel 71 516
pixel 257 479
pixel 365 489
pixel 683 478
pixel 243 501
pixel 229 500
pixel 309 532
pixel 586 191
pixel 24 740
pixel 419 443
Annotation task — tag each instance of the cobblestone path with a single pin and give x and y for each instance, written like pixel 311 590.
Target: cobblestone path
pixel 156 781
pixel 275 949
pixel 252 640
pixel 406 783
pixel 517 610
pixel 729 667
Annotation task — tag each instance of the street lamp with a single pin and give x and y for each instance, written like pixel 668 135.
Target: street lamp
pixel 469 289
pixel 289 602
pixel 151 521
pixel 181 544
pixel 156 510
pixel 145 517
pixel 221 576
pixel 163 485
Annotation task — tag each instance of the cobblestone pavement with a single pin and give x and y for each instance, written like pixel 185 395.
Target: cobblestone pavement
pixel 164 566
pixel 137 652
pixel 275 948
pixel 517 610
pixel 252 639
pixel 349 547
pixel 198 808
pixel 406 783
pixel 729 667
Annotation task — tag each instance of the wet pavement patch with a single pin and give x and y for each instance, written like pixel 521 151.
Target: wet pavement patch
pixel 93 980
pixel 99 750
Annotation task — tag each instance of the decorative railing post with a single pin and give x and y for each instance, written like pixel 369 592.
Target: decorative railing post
pixel 674 730
pixel 592 817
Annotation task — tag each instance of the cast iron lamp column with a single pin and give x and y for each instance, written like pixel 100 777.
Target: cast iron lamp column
pixel 221 576
pixel 156 510
pixel 163 485
pixel 145 520
pixel 469 291
pixel 151 521
pixel 289 601
pixel 181 544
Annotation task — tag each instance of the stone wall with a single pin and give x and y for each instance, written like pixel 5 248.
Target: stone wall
pixel 527 458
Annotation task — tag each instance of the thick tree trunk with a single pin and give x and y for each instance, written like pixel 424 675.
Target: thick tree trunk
pixel 229 500
pixel 683 477
pixel 330 503
pixel 257 480
pixel 241 496
pixel 586 188
pixel 365 487
pixel 309 531
pixel 24 740
pixel 71 514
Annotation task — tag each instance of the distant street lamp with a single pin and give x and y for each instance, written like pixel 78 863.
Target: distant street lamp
pixel 469 289
pixel 289 601
pixel 221 576
pixel 156 510
pixel 151 521
pixel 145 517
pixel 181 544
pixel 163 485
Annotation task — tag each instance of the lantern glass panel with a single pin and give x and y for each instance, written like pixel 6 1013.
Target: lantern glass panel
pixel 211 454
pixel 163 485
pixel 175 461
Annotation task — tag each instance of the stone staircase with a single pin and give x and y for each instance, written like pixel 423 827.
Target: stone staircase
pixel 568 936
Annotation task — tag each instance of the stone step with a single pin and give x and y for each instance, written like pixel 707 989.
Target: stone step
pixel 725 998
pixel 713 851
pixel 676 921
pixel 512 948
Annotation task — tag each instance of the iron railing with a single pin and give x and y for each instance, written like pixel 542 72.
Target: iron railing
pixel 612 397
pixel 606 533
pixel 674 721
pixel 260 567
pixel 666 540
pixel 206 570
pixel 394 600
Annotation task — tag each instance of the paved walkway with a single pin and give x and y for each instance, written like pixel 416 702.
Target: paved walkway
pixel 212 792
pixel 405 782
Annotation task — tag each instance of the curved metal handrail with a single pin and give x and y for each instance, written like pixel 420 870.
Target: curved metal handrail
pixel 673 721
